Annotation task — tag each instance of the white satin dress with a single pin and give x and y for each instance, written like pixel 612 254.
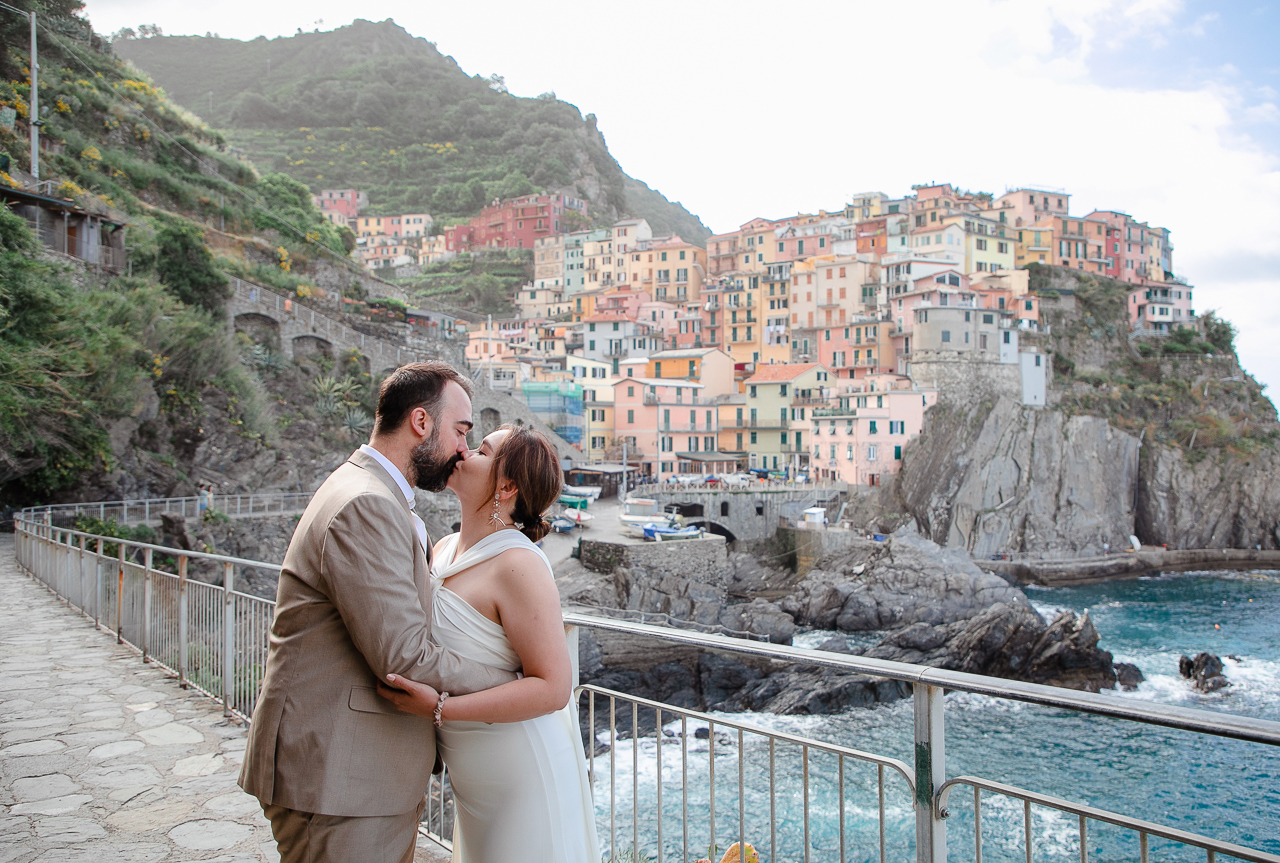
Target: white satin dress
pixel 521 788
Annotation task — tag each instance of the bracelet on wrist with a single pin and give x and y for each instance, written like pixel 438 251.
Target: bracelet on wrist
pixel 438 717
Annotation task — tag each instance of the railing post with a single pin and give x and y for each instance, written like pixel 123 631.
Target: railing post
pixel 182 621
pixel 229 636
pixel 97 587
pixel 146 605
pixel 120 594
pixel 84 600
pixel 931 769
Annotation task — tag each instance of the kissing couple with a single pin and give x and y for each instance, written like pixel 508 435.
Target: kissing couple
pixel 386 651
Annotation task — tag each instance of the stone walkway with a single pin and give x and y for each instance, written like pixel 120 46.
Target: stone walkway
pixel 104 759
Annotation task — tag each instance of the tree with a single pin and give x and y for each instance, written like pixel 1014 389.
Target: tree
pixel 1219 333
pixel 185 266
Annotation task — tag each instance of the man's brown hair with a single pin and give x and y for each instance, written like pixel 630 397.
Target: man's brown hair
pixel 415 385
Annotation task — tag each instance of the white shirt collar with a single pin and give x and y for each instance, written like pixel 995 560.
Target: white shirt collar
pixel 405 488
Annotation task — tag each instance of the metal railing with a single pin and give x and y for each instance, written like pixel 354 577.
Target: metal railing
pixel 215 640
pixel 212 637
pixel 145 511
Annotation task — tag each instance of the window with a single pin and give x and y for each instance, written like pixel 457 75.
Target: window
pixel 1006 338
pixel 981 245
pixel 897 450
pixel 591 328
pixel 591 345
pixel 872 452
pixel 896 427
pixel 946 335
pixel 872 427
pixel 631 392
pixel 753 391
pixel 631 416
pixel 657 370
pixel 753 437
pixel 1037 360
pixel 784 438
pixel 663 257
pixel 681 258
pixel 724 508
pixel 1002 248
pixel 783 389
pixel 708 444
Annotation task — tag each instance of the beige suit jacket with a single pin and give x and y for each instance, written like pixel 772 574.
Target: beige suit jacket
pixel 353 605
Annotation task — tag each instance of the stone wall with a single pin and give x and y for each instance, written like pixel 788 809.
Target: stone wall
pixel 752 512
pixel 964 381
pixel 704 561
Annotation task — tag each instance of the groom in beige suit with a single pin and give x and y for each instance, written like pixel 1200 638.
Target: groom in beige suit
pixel 340 773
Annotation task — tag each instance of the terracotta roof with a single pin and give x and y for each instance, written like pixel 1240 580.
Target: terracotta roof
pixel 775 372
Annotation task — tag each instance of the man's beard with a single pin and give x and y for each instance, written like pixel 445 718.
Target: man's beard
pixel 432 469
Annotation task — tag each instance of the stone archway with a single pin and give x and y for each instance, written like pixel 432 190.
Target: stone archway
pixel 715 528
pixel 308 346
pixel 262 329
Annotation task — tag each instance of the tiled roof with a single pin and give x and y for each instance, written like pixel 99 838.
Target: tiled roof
pixel 775 372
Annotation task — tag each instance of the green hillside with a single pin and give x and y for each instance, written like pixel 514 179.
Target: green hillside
pixel 114 386
pixel 369 106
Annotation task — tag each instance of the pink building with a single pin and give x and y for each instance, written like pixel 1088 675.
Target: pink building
pixel 624 302
pixel 858 348
pixel 346 203
pixel 663 420
pixel 514 223
pixel 862 438
pixel 1161 306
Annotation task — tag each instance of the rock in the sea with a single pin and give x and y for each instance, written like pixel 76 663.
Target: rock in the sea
pixel 1010 641
pixel 1128 676
pixel 904 581
pixel 836 644
pixel 760 617
pixel 1204 672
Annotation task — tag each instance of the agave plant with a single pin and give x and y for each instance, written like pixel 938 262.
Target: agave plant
pixel 357 422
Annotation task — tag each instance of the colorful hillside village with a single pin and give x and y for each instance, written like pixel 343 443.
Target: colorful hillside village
pixel 809 346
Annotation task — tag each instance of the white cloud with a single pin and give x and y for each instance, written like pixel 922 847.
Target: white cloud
pixel 769 110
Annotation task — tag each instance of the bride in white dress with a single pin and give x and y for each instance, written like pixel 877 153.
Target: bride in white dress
pixel 514 752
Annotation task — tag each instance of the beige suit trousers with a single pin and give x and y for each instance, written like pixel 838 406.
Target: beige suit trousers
pixel 304 837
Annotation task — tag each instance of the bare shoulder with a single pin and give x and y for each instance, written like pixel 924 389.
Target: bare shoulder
pixel 522 565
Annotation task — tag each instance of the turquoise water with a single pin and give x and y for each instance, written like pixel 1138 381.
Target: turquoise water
pixel 1221 788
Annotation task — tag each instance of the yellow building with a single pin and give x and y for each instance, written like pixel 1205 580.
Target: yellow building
pixel 1034 244
pixel 584 303
pixel 778 407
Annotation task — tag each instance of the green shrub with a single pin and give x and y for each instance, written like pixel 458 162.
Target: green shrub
pixel 185 265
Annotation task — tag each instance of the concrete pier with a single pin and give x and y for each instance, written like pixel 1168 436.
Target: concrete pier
pixel 1131 564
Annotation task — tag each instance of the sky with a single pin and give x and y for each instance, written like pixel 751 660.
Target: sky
pixel 1168 110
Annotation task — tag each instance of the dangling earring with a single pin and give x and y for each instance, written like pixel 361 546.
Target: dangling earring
pixel 495 518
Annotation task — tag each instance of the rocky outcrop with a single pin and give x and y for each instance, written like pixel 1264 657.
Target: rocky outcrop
pixel 1219 501
pixel 907 580
pixel 1003 477
pixel 1204 672
pixel 1010 641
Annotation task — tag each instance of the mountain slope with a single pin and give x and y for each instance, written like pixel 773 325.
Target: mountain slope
pixel 370 106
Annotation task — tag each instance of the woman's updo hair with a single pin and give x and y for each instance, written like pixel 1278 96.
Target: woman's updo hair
pixel 529 461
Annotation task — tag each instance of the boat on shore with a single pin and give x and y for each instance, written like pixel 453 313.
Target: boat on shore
pixel 640 511
pixel 662 533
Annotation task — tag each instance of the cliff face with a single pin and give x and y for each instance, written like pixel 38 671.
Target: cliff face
pixel 1218 501
pixel 1169 440
pixel 1011 478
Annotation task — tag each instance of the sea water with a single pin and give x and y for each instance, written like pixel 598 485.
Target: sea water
pixel 1225 789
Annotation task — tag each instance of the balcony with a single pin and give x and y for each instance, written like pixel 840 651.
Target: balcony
pixel 807 401
pixel 615 353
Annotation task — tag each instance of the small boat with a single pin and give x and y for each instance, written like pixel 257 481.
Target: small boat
pixel 590 492
pixel 560 524
pixel 580 517
pixel 639 511
pixel 572 501
pixel 662 533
